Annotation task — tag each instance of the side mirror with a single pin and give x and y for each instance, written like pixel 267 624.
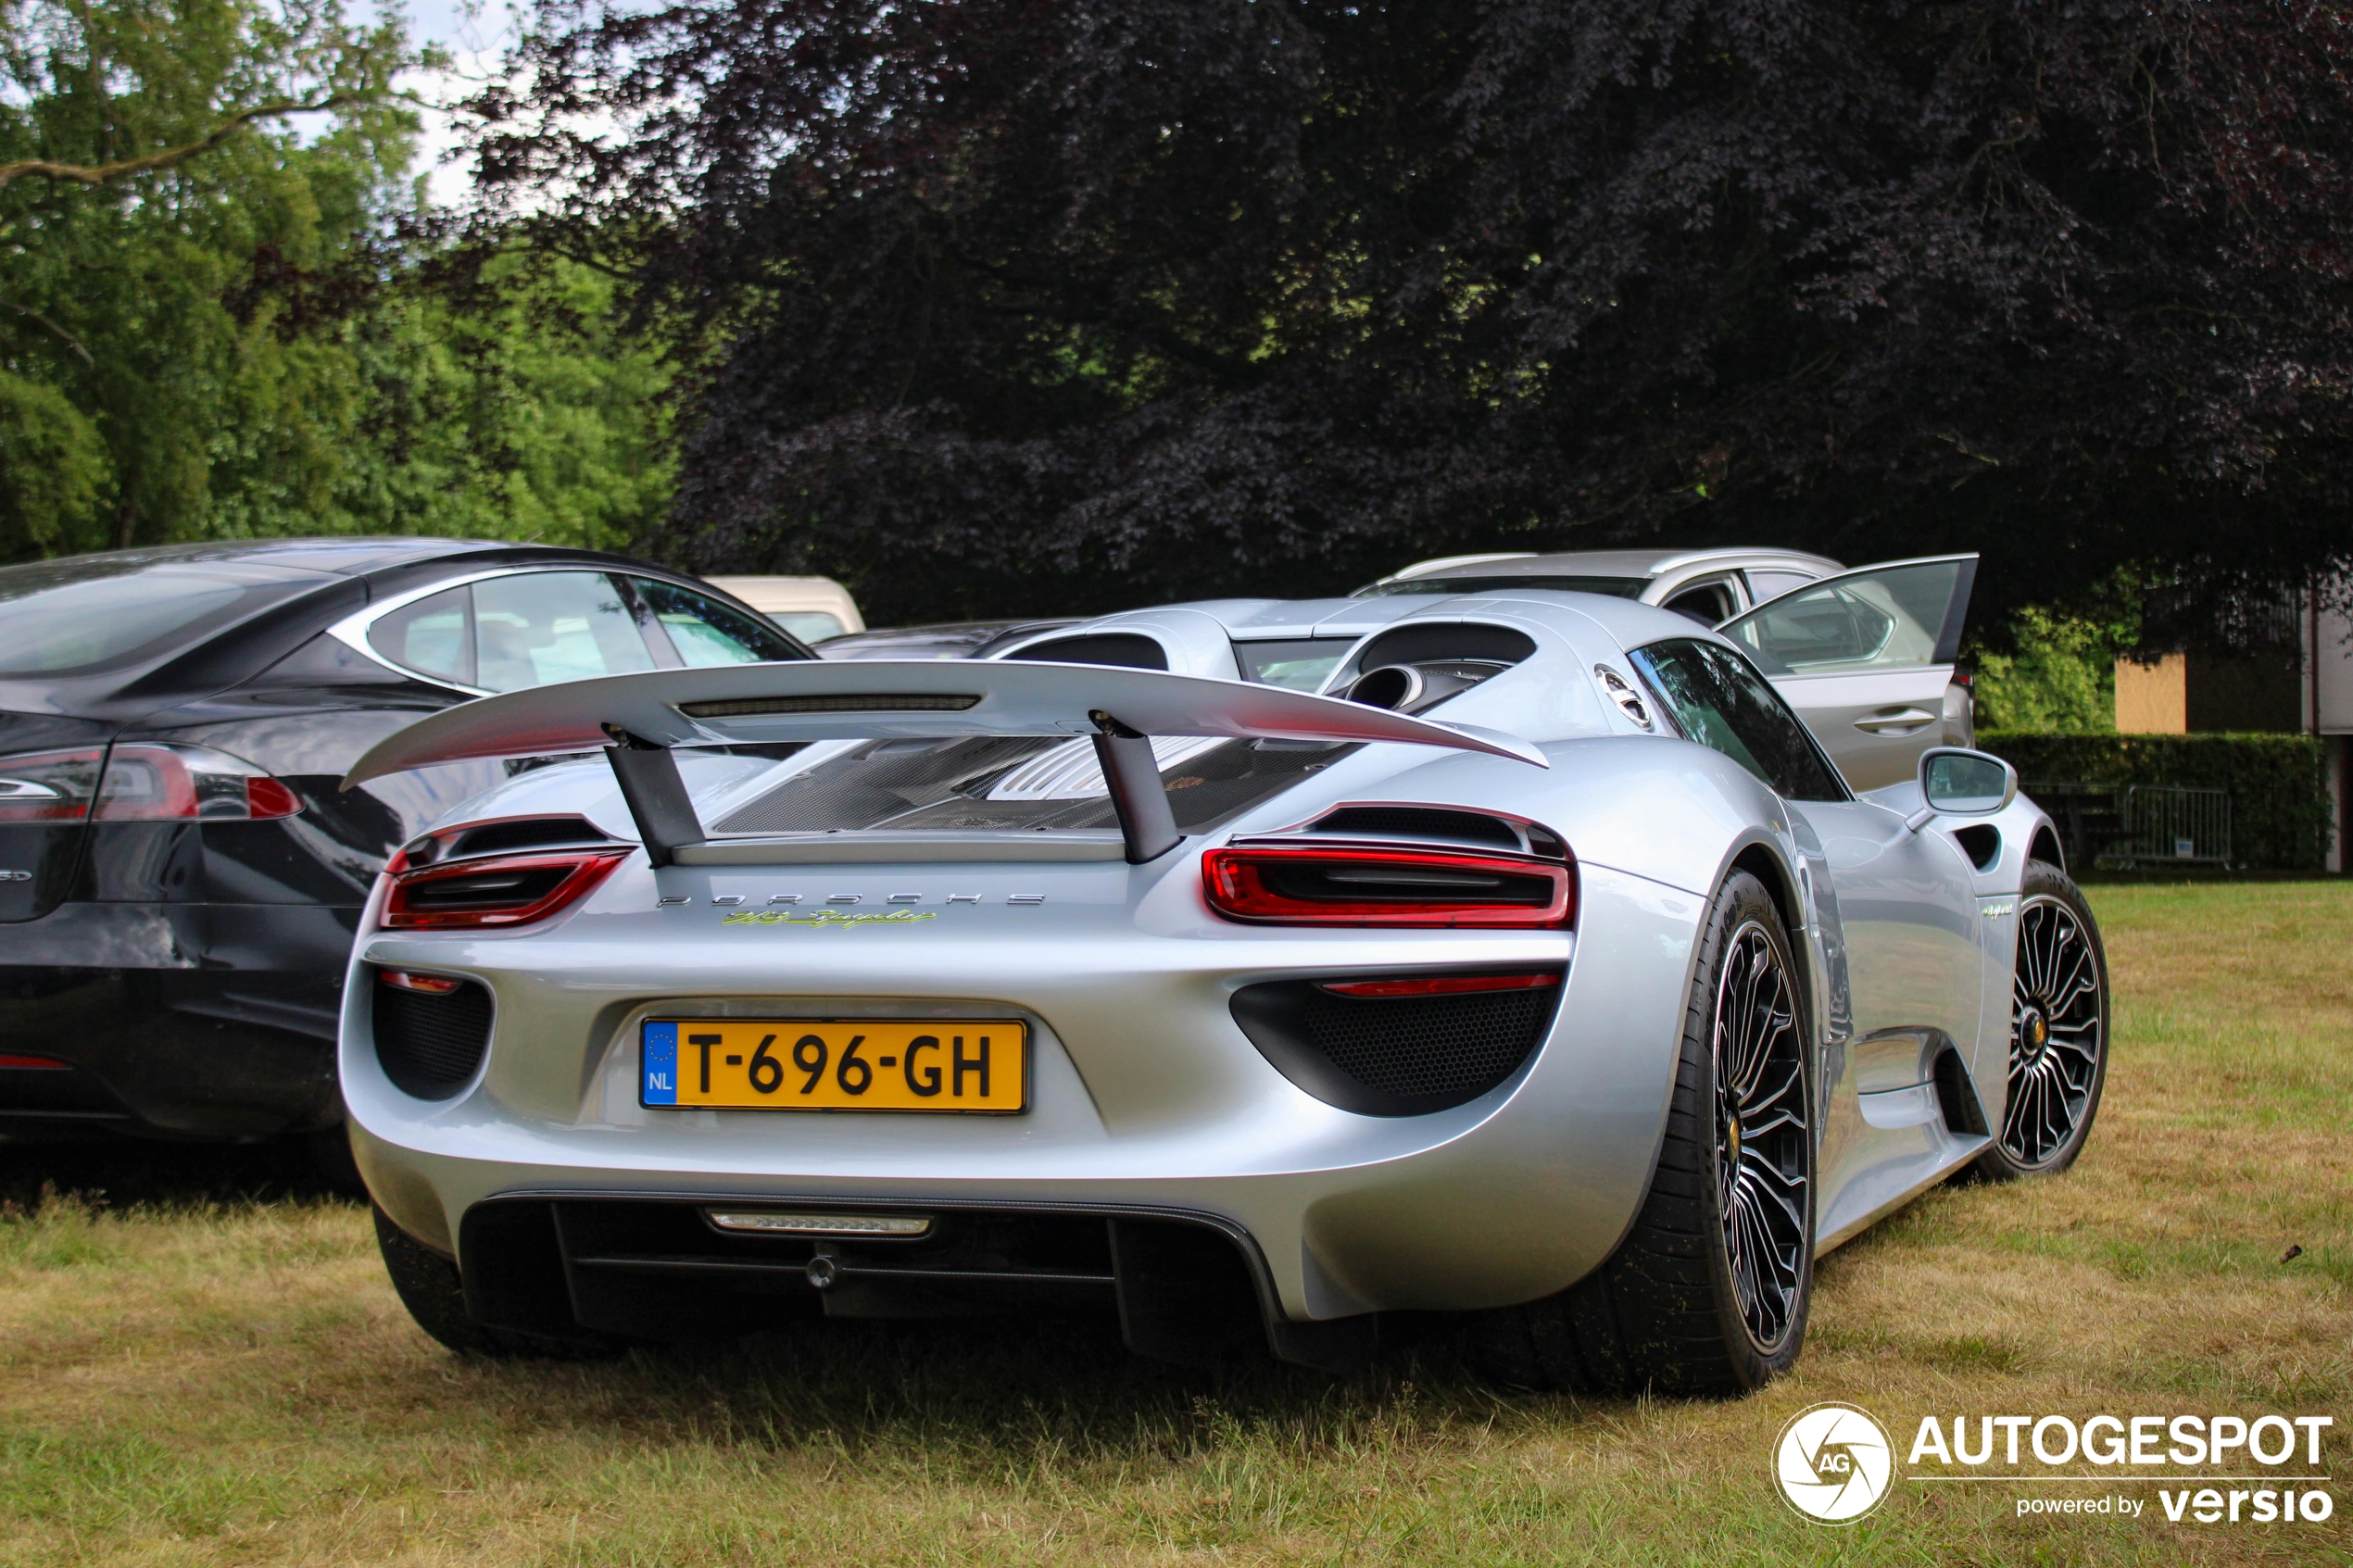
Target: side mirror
pixel 1966 783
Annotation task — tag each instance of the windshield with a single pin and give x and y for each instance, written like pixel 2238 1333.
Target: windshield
pixel 1615 587
pixel 89 613
pixel 1021 783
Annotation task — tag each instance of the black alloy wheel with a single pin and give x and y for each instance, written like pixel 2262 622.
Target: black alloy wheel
pixel 2058 1031
pixel 1708 1293
pixel 1762 1129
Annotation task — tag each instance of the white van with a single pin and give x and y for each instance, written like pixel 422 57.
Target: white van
pixel 811 609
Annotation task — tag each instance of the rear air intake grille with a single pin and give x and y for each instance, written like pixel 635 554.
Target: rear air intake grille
pixel 1394 1056
pixel 1419 1045
pixel 1126 650
pixel 512 836
pixel 431 1044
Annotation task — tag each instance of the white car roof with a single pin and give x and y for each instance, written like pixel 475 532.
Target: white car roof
pixel 1261 619
pixel 1614 563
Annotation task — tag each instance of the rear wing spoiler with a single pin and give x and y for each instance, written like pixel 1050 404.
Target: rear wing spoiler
pixel 640 718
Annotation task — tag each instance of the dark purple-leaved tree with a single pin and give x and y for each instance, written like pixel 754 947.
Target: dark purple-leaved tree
pixel 1016 306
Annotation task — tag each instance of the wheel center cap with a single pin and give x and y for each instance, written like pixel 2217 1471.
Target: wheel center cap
pixel 2033 1032
pixel 1733 1138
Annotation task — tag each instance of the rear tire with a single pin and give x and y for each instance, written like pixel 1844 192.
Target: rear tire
pixel 428 1287
pixel 2058 1031
pixel 1709 1292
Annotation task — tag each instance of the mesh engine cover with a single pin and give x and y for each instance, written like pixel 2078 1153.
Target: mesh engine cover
pixel 1402 1056
pixel 429 1046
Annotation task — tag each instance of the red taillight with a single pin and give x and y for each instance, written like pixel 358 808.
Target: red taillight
pixel 267 798
pixel 164 784
pixel 495 890
pixel 430 985
pixel 1366 887
pixel 49 787
pixel 35 1063
pixel 1444 984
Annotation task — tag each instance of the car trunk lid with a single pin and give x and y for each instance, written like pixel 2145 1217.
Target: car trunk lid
pixel 49 770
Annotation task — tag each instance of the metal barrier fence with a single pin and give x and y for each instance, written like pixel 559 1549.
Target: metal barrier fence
pixel 2177 826
pixel 2127 825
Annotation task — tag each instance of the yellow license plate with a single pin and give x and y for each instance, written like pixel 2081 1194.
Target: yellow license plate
pixel 973 1066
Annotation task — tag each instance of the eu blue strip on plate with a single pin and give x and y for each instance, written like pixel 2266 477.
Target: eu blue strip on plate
pixel 660 1055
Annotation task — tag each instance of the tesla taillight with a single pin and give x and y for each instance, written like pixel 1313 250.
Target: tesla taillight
pixel 163 783
pixel 1285 886
pixel 49 787
pixel 495 890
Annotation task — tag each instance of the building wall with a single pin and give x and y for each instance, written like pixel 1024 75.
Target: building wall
pixel 2329 702
pixel 2199 693
pixel 2333 673
pixel 2309 691
pixel 2152 700
pixel 2248 692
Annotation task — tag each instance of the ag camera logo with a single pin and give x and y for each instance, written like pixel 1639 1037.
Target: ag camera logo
pixel 1833 1462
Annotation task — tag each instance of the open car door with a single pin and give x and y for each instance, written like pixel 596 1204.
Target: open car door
pixel 1867 658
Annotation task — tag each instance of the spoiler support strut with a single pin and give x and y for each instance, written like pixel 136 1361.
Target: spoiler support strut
pixel 1132 774
pixel 656 795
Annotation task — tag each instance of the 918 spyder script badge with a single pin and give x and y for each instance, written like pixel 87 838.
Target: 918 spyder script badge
pixel 828 919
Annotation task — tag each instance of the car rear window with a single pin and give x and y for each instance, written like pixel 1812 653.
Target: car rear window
pixel 1298 664
pixel 86 614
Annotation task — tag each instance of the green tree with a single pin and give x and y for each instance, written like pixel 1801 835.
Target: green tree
pixel 2058 678
pixel 1088 302
pixel 516 408
pixel 221 312
pixel 183 183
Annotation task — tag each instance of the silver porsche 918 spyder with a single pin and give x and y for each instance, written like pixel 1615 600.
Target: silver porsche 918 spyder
pixel 1539 966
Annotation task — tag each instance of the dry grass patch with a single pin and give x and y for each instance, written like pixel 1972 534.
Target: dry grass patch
pixel 211 1382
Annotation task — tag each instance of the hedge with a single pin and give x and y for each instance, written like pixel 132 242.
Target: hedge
pixel 2278 783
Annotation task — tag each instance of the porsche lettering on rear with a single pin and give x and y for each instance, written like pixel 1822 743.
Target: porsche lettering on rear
pixel 828 920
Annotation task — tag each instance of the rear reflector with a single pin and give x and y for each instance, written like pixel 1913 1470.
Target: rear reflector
pixel 1336 886
pixel 904 1227
pixel 432 984
pixel 498 890
pixel 35 1064
pixel 1444 984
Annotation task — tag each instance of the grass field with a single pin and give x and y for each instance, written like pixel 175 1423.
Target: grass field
pixel 187 1376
